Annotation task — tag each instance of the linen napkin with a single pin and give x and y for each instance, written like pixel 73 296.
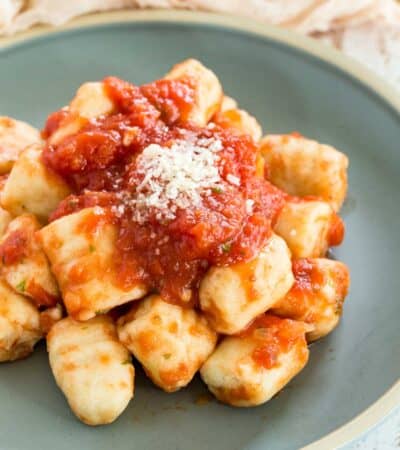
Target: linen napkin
pixel 367 30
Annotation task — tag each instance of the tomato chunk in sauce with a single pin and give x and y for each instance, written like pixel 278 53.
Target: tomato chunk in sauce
pixel 172 243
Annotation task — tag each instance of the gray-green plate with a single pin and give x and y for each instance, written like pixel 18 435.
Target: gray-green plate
pixel 280 79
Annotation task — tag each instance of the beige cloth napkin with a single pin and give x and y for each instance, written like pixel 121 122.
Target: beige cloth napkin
pixel 368 30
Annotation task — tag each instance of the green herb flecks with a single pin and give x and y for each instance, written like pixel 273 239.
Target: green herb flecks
pixel 21 286
pixel 226 247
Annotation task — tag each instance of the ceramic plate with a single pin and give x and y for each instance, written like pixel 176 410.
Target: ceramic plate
pixel 288 83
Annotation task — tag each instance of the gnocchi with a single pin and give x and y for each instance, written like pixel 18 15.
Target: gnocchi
pixel 153 221
pixel 23 263
pixel 19 325
pixel 317 295
pixel 309 227
pixel 14 137
pixel 231 297
pixel 80 249
pixel 90 101
pixel 171 342
pixel 239 121
pixel 249 369
pixel 92 368
pixel 304 167
pixel 31 187
pixel 208 89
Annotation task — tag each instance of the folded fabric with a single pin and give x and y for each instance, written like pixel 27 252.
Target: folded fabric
pixel 368 30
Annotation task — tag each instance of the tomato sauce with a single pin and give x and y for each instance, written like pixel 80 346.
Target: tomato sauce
pixel 308 280
pixel 99 164
pixel 53 122
pixel 173 98
pixel 14 248
pixel 274 336
pixel 336 231
pixel 39 295
pixel 307 275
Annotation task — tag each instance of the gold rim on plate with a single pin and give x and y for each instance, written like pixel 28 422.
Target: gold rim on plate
pixel 391 399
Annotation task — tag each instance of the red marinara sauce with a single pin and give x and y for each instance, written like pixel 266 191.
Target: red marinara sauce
pixel 274 336
pixel 14 248
pixel 307 275
pixel 308 280
pixel 336 231
pixel 53 122
pixel 100 164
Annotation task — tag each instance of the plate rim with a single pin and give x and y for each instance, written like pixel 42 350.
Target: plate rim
pixel 390 400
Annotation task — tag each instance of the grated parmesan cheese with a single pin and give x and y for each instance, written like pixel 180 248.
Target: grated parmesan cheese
pixel 233 180
pixel 129 135
pixel 249 206
pixel 98 211
pixel 175 177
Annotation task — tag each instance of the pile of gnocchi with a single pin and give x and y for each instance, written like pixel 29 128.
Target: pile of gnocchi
pixel 244 326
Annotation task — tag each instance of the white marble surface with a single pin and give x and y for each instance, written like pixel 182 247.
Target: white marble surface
pixel 385 436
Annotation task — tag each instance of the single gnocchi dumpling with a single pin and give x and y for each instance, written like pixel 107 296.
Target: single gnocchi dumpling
pixel 24 265
pixel 171 342
pixel 92 368
pixel 90 101
pixel 14 137
pixel 239 121
pixel 231 297
pixel 309 227
pixel 19 325
pixel 31 187
pixel 81 250
pixel 304 167
pixel 208 89
pixel 317 295
pixel 249 369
